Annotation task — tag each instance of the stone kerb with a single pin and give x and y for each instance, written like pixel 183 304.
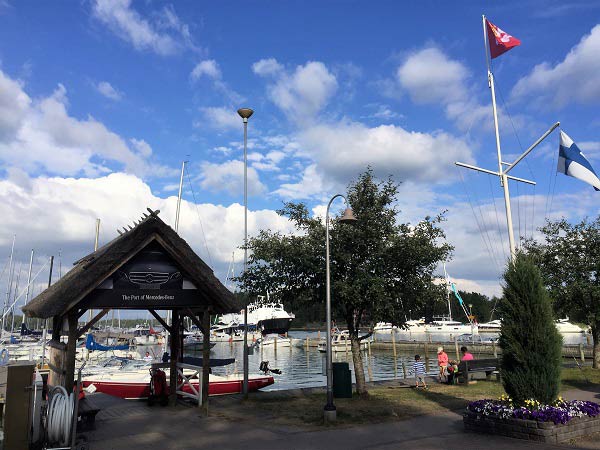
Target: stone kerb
pixel 531 429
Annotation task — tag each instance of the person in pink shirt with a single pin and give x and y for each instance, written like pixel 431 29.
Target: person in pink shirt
pixel 466 356
pixel 442 363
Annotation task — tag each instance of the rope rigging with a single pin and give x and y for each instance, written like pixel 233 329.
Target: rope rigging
pixel 199 220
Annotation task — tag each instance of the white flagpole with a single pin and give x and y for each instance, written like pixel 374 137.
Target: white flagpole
pixel 502 174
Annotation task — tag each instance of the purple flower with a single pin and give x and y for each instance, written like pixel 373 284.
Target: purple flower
pixel 561 412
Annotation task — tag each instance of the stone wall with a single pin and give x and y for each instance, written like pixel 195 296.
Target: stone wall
pixel 532 429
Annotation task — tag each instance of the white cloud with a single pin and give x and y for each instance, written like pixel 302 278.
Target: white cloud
pixel 41 135
pixel 430 76
pixel 130 26
pixel 302 93
pixel 106 89
pixel 229 177
pixel 220 118
pixel 208 67
pixel 267 67
pixel 573 80
pixel 14 104
pixel 52 214
pixel 313 184
pixel 344 149
pixel 142 147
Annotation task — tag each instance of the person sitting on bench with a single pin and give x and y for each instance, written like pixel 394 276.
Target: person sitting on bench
pixel 466 356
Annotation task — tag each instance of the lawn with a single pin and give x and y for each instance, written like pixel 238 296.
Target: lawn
pixel 387 402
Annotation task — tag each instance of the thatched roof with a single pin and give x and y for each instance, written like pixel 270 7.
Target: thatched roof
pixel 90 271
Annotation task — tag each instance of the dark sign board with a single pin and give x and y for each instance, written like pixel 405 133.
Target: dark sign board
pixel 149 280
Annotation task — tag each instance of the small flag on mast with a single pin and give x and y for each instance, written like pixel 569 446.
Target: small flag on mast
pixel 572 162
pixel 499 40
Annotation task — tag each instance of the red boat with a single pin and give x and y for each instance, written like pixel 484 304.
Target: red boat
pixel 135 384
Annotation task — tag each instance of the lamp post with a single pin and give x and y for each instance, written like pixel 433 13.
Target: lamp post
pixel 348 217
pixel 245 114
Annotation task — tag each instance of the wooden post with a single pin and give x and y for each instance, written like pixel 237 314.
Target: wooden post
pixel 175 329
pixel 456 348
pixel 394 344
pixel 404 369
pixel 71 351
pixel 275 343
pixel 581 353
pixel 307 344
pixel 495 349
pixel 205 359
pixel 426 351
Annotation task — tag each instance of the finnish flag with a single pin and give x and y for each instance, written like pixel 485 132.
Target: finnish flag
pixel 572 162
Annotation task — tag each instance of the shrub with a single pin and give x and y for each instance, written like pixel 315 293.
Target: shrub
pixel 531 344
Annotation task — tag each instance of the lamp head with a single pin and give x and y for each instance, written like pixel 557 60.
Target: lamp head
pixel 245 113
pixel 348 216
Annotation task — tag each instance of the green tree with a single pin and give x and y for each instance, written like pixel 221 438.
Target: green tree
pixel 531 344
pixel 380 269
pixel 569 258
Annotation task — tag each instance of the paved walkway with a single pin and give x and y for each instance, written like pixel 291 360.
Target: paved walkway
pixel 131 425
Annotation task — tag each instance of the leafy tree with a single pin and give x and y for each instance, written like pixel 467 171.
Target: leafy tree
pixel 380 269
pixel 569 258
pixel 531 344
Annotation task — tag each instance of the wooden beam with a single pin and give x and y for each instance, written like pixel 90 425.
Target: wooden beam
pixel 81 331
pixel 175 350
pixel 160 320
pixel 69 363
pixel 205 359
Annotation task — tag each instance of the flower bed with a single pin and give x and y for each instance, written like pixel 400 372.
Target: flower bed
pixel 559 422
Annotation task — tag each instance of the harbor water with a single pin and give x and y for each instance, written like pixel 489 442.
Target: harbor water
pixel 303 366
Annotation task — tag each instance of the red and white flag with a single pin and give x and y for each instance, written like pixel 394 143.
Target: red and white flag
pixel 499 40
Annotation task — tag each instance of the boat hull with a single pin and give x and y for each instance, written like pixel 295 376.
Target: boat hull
pixel 279 325
pixel 139 390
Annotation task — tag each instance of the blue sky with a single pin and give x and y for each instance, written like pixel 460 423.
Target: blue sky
pixel 101 100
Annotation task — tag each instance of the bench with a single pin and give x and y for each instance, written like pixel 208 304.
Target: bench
pixel 87 411
pixel 489 366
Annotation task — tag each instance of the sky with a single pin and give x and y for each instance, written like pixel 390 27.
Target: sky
pixel 102 100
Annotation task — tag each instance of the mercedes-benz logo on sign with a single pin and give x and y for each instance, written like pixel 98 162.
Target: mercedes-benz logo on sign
pixel 149 278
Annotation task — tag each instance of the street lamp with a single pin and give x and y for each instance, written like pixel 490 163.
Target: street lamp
pixel 348 217
pixel 245 114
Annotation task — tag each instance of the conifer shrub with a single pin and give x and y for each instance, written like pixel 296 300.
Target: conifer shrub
pixel 531 344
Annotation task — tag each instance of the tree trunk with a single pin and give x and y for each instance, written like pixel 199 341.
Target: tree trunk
pixel 596 337
pixel 359 372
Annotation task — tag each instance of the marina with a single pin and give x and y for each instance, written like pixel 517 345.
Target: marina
pixel 308 274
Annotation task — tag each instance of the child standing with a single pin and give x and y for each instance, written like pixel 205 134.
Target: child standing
pixel 442 363
pixel 419 369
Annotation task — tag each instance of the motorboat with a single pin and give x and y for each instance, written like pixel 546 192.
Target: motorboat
pixel 340 342
pixel 131 380
pixel 264 316
pixel 447 325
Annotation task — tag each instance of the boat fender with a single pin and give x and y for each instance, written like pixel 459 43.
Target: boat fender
pixel 4 355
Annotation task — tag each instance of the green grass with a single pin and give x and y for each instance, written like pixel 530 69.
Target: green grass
pixel 383 403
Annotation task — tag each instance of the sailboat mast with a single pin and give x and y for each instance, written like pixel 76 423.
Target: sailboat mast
pixel 28 280
pixel 10 265
pixel 97 236
pixel 179 196
pixel 502 174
